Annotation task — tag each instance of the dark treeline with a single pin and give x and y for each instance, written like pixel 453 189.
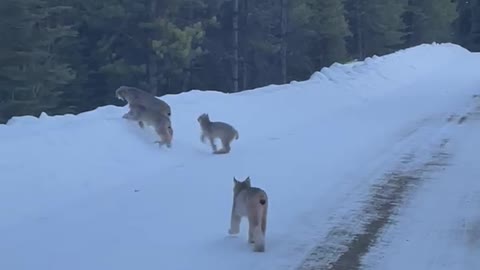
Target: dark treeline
pixel 68 56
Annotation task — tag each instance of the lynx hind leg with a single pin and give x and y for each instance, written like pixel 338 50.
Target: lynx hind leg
pixel 255 234
pixel 259 238
pixel 140 123
pixel 253 222
pixel 264 221
pixel 165 137
pixel 257 227
pixel 225 147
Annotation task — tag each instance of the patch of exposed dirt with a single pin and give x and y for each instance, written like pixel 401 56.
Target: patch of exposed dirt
pixel 462 119
pixel 383 201
pixel 346 244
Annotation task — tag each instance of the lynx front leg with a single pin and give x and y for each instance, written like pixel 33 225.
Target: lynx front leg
pixel 127 115
pixel 212 143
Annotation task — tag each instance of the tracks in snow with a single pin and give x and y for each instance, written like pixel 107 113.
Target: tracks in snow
pixel 423 151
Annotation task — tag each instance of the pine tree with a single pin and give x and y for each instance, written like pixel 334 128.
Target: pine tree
pixel 299 36
pixel 46 71
pixel 14 46
pixel 211 68
pixel 260 35
pixel 149 44
pixel 463 22
pixel 283 49
pixel 430 21
pixel 377 26
pixel 474 33
pixel 329 29
pixel 32 69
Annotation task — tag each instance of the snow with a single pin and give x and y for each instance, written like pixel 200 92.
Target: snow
pixel 92 191
pixel 439 228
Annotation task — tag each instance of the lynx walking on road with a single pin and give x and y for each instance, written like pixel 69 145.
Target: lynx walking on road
pixel 250 202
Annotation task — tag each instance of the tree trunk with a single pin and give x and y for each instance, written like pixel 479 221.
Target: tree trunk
pixel 361 53
pixel 245 48
pixel 283 51
pixel 244 73
pixel 152 68
pixel 235 46
pixel 188 74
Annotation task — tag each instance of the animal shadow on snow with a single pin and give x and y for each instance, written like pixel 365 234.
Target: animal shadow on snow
pixel 238 243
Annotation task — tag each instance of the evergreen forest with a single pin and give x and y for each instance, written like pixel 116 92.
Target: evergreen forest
pixel 68 56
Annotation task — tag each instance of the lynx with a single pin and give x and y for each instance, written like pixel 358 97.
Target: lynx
pixel 250 202
pixel 212 130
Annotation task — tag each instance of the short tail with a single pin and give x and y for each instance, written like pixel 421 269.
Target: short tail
pixel 236 135
pixel 263 200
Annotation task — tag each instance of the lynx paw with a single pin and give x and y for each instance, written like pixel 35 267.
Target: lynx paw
pixel 220 152
pixel 230 231
pixel 160 143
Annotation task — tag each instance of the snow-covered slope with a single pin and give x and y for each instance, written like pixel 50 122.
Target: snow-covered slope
pixel 93 192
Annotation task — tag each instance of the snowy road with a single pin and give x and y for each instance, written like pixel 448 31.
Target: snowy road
pixel 424 213
pixel 343 156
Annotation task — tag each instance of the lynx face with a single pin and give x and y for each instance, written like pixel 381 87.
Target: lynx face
pixel 126 94
pixel 203 119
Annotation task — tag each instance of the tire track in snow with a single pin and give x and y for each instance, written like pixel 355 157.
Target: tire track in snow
pixel 345 245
